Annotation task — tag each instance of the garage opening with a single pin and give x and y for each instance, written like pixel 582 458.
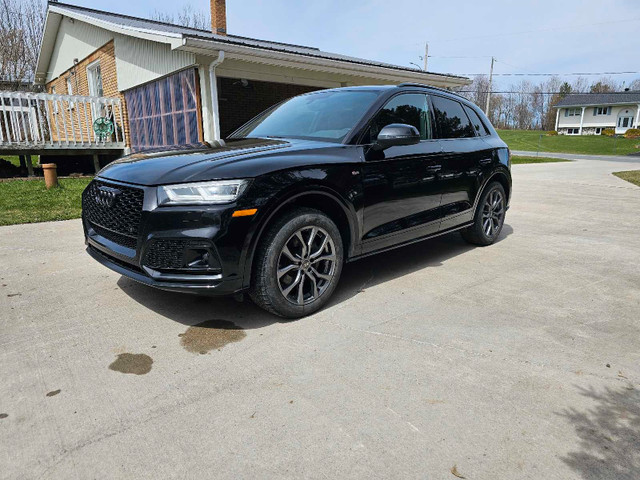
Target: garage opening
pixel 240 100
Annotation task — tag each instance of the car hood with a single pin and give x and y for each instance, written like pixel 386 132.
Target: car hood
pixel 242 158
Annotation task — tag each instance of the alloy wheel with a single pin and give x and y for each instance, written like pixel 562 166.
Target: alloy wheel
pixel 306 265
pixel 493 213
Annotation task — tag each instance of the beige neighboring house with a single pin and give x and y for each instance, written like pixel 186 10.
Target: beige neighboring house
pixel 591 113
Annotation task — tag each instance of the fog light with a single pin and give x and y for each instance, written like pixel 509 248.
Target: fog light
pixel 200 258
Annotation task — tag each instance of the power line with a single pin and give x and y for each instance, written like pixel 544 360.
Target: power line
pixel 543 93
pixel 549 29
pixel 584 74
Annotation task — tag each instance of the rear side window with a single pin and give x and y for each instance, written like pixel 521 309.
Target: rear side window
pixel 451 119
pixel 408 108
pixel 476 122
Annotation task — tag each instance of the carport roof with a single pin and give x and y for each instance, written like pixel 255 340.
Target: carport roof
pixel 591 99
pixel 181 35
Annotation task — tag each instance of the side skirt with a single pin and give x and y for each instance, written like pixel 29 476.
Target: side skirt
pixel 409 242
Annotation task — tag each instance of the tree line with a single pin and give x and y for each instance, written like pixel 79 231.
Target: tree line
pixel 529 106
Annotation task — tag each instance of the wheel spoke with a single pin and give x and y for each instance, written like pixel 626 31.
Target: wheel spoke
pixel 312 237
pixel 321 275
pixel 314 284
pixel 487 227
pixel 321 249
pixel 330 257
pixel 301 290
pixel 297 280
pixel 287 269
pixel 302 243
pixel 289 255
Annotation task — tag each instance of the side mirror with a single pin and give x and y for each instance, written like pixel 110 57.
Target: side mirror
pixel 396 134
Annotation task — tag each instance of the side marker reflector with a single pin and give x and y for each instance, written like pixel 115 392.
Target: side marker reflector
pixel 244 213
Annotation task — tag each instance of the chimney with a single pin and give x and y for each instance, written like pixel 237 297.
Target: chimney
pixel 218 17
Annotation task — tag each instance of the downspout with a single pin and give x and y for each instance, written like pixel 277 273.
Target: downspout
pixel 557 118
pixel 581 121
pixel 213 83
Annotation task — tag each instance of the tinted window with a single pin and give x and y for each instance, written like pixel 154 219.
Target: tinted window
pixel 451 119
pixel 327 115
pixel 476 122
pixel 408 108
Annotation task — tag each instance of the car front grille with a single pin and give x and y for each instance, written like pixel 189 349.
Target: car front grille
pixel 165 254
pixel 113 211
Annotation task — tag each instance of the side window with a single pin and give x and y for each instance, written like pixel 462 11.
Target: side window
pixel 451 119
pixel 408 108
pixel 476 122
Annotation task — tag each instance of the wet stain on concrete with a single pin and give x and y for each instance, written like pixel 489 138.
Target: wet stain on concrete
pixel 135 363
pixel 53 393
pixel 3 415
pixel 210 335
pixel 14 295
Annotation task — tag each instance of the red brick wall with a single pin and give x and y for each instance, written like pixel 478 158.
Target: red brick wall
pixel 80 85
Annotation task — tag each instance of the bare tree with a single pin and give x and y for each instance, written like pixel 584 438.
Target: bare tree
pixel 635 85
pixel 21 24
pixel 187 16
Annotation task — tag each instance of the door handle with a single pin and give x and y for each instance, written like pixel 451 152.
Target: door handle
pixel 434 168
pixel 485 161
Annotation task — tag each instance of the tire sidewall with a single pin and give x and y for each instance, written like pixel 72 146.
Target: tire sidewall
pixel 286 229
pixel 478 220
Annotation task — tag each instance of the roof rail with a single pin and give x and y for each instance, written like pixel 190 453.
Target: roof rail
pixel 413 84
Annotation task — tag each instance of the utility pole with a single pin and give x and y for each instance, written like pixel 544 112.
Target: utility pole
pixel 486 108
pixel 426 55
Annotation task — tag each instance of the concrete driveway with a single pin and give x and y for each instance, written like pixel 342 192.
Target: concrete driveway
pixel 435 361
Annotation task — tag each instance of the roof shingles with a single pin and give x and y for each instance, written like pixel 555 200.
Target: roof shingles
pixel 587 99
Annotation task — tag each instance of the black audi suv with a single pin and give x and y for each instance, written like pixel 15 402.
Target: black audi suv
pixel 318 180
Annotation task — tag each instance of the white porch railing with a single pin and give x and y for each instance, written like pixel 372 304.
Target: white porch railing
pixel 44 120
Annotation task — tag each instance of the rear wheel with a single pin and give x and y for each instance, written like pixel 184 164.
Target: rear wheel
pixel 298 264
pixel 489 216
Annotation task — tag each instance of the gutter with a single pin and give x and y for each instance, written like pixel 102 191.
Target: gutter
pixel 213 84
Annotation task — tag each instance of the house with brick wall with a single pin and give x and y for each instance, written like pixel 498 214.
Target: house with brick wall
pixel 170 85
pixel 591 113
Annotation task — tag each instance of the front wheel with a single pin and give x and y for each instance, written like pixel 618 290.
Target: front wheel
pixel 298 264
pixel 489 216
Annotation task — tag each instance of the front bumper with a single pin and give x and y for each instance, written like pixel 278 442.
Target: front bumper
pixel 209 229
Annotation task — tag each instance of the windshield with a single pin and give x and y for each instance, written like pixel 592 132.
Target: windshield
pixel 325 115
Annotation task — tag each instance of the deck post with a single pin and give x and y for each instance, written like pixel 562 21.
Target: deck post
pixel 96 162
pixel 29 165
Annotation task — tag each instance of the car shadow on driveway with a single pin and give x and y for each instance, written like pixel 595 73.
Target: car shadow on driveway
pixel 194 310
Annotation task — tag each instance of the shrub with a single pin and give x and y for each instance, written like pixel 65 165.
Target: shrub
pixel 551 133
pixel 632 133
pixel 609 132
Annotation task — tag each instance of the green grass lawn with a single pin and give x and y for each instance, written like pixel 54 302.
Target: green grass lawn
pixel 516 160
pixel 587 144
pixel 632 176
pixel 28 201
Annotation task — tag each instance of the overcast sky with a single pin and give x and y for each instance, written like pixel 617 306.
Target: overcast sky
pixel 547 36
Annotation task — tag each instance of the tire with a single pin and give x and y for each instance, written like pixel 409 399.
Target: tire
pixel 305 248
pixel 489 217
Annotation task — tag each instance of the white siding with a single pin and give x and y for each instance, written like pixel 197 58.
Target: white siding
pixel 75 40
pixel 140 61
pixel 137 61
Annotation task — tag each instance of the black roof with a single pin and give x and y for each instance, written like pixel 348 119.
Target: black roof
pixel 586 99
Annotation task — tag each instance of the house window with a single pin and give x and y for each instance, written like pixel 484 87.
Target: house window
pixel 573 131
pixel 573 112
pixel 55 103
pixel 70 91
pixel 598 130
pixel 94 79
pixel 601 111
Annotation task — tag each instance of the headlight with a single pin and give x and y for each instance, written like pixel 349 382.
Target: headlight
pixel 222 191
